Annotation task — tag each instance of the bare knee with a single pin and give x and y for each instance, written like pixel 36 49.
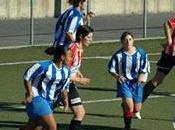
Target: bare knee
pixel 79 112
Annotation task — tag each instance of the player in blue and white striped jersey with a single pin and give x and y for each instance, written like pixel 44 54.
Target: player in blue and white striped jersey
pixel 45 82
pixel 129 66
pixel 69 22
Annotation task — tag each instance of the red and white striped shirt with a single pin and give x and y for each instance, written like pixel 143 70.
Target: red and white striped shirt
pixel 76 58
pixel 171 48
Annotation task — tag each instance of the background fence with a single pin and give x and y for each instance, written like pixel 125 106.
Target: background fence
pixel 32 22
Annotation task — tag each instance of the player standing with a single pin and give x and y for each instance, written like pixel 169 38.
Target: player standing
pixel 167 60
pixel 129 66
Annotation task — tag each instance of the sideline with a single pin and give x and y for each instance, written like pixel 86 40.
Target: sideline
pixel 86 58
pixel 111 100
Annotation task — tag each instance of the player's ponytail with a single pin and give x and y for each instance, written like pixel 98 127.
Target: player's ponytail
pixel 57 52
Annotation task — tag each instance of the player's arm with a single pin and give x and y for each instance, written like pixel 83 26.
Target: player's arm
pixel 88 16
pixel 71 27
pixel 112 69
pixel 70 36
pixel 144 68
pixel 65 100
pixel 168 32
pixel 29 94
pixel 80 80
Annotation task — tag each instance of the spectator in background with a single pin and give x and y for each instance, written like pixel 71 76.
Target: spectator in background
pixel 129 66
pixel 69 21
pixel 167 60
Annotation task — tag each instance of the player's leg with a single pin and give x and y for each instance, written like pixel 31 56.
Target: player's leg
pixel 165 64
pixel 48 122
pixel 152 84
pixel 137 98
pixel 76 107
pixel 127 112
pixel 127 103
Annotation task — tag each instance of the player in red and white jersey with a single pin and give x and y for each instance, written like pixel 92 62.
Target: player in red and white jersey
pixel 84 36
pixel 170 34
pixel 76 58
pixel 167 60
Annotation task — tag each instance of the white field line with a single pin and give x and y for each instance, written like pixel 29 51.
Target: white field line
pixel 93 57
pixel 110 100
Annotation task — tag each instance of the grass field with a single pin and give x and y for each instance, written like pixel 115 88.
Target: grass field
pixel 103 109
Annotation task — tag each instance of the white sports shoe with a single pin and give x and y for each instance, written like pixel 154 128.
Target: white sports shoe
pixel 137 115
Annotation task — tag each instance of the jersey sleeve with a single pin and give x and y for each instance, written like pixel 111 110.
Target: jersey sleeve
pixel 144 66
pixel 72 24
pixel 113 64
pixel 66 82
pixel 172 22
pixel 32 72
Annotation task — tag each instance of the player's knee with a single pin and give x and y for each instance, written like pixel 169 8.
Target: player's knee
pixel 80 113
pixel 156 82
pixel 128 114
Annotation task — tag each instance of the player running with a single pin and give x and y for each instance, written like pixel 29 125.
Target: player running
pixel 69 21
pixel 83 39
pixel 129 66
pixel 45 82
pixel 167 60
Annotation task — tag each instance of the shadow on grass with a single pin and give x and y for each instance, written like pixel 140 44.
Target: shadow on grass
pixel 97 89
pixel 10 106
pixel 16 125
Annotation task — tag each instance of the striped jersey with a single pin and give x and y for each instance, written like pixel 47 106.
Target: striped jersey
pixel 171 48
pixel 129 65
pixel 76 58
pixel 47 79
pixel 69 21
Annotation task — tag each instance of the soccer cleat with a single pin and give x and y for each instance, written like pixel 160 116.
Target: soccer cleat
pixel 137 115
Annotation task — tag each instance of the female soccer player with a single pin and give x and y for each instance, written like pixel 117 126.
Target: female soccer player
pixel 129 66
pixel 167 60
pixel 69 21
pixel 83 39
pixel 44 82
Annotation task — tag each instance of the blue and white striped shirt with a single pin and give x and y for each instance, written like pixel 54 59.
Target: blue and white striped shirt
pixel 47 80
pixel 69 21
pixel 129 65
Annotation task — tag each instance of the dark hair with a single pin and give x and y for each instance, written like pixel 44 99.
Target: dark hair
pixel 83 31
pixel 57 52
pixel 76 2
pixel 125 34
pixel 70 2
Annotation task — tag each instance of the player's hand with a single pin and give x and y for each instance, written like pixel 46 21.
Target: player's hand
pixel 84 81
pixel 27 100
pixel 121 78
pixel 89 15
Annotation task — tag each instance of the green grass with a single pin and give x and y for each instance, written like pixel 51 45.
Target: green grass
pixel 157 113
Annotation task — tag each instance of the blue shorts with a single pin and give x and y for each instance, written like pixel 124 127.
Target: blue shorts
pixel 130 89
pixel 38 107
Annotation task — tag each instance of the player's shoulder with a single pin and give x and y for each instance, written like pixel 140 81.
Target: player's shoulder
pixel 119 51
pixel 45 64
pixel 66 68
pixel 141 50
